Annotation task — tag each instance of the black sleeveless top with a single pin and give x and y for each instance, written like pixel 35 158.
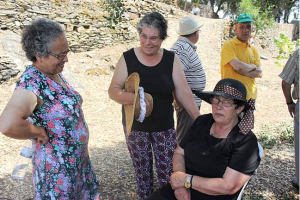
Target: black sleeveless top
pixel 209 157
pixel 157 81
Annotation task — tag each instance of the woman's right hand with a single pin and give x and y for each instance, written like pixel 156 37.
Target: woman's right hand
pixel 43 137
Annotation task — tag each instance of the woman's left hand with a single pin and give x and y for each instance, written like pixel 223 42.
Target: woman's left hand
pixel 177 180
pixel 182 194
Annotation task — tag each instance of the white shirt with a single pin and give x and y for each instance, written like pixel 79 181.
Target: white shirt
pixel 196 11
pixel 192 65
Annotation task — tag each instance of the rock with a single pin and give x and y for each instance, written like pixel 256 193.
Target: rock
pixel 131 9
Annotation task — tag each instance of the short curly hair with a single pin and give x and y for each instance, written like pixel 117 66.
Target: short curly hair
pixel 39 36
pixel 155 21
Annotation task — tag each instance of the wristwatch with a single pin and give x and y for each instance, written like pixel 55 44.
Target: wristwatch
pixel 188 181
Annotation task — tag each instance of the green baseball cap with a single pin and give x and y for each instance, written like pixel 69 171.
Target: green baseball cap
pixel 244 18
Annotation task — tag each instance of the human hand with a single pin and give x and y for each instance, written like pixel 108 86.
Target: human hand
pixel 42 137
pixel 177 180
pixel 149 104
pixel 291 108
pixel 176 103
pixel 182 194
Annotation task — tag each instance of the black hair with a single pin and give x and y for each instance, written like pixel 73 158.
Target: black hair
pixel 155 21
pixel 38 38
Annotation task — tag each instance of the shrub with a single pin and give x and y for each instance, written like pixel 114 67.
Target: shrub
pixel 116 10
pixel 285 48
pixel 283 132
pixel 263 18
pixel 266 138
pixel 286 131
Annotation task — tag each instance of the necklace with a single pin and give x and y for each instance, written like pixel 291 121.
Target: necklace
pixel 60 81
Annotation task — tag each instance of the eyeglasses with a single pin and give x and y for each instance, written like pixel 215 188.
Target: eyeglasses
pixel 153 39
pixel 225 103
pixel 60 56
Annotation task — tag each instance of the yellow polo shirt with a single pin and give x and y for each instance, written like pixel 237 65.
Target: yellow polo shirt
pixel 235 49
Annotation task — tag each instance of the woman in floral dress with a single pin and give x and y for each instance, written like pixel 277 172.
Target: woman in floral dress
pixel 45 107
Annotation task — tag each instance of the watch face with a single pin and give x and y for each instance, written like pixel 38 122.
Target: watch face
pixel 187 185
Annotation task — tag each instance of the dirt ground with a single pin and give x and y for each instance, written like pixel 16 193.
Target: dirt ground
pixel 91 72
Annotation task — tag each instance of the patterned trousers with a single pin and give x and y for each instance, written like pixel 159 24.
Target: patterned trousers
pixel 141 146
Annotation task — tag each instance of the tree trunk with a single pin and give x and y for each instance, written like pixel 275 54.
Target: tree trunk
pixel 185 5
pixel 286 16
pixel 214 14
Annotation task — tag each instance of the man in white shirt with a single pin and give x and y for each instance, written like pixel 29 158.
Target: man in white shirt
pixel 185 49
pixel 196 10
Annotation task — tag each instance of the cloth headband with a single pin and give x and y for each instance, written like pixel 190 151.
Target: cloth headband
pixel 247 122
pixel 229 90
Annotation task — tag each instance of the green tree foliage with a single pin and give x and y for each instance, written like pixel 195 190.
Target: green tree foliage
pixel 285 48
pixel 227 6
pixel 116 10
pixel 282 7
pixel 220 6
pixel 287 6
pixel 231 7
pixel 262 16
pixel 265 10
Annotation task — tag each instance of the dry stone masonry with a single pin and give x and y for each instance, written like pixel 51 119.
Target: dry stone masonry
pixel 87 28
pixel 8 68
pixel 84 21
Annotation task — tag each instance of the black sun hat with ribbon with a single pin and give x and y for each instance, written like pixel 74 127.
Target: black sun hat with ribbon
pixel 232 89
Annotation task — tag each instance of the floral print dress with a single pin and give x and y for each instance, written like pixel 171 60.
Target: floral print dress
pixel 61 168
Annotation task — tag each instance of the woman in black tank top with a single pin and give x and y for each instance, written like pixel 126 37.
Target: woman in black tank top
pixel 161 75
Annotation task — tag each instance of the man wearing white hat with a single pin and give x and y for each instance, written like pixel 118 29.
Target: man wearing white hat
pixel 185 49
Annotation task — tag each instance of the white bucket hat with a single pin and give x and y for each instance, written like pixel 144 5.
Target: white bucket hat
pixel 188 25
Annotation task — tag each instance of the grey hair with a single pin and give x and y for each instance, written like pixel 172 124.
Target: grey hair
pixel 38 38
pixel 155 21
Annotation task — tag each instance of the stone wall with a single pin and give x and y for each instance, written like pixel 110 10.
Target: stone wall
pixel 86 25
pixel 8 68
pixel 12 58
pixel 84 21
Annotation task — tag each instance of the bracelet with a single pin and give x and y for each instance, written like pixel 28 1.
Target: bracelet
pixel 192 181
pixel 289 103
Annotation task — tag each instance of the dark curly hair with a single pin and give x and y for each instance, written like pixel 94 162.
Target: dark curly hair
pixel 155 21
pixel 39 36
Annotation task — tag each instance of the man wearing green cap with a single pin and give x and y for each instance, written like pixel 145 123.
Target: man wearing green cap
pixel 239 59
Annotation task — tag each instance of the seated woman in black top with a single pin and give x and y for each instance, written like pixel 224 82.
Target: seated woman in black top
pixel 219 153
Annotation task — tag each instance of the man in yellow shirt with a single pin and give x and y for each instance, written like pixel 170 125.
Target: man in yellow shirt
pixel 240 60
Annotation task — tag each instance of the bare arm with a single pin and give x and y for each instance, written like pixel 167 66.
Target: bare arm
pixel 257 73
pixel 178 160
pixel 13 121
pixel 229 184
pixel 179 166
pixel 286 88
pixel 183 92
pixel 115 90
pixel 245 69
